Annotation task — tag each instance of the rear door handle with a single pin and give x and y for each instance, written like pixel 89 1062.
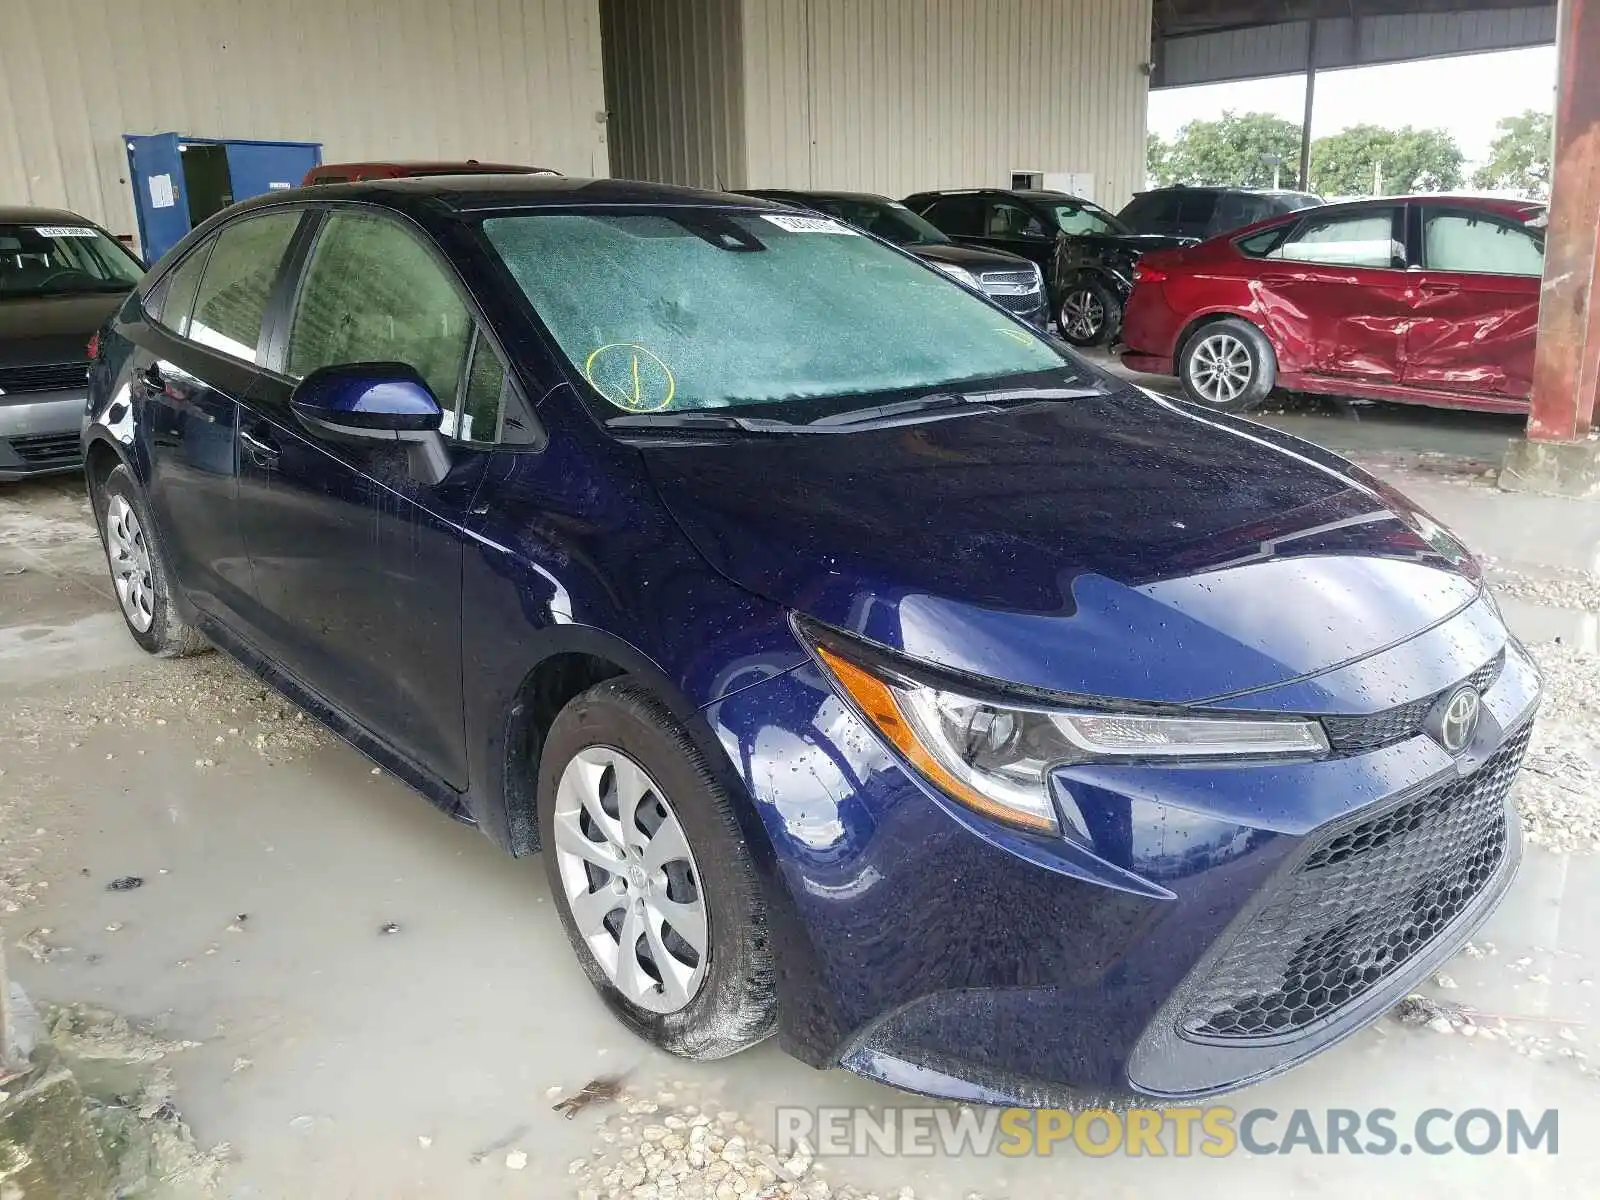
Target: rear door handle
pixel 151 378
pixel 1439 289
pixel 262 449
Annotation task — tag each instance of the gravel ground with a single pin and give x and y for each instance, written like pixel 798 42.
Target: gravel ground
pixel 664 1149
pixel 1558 791
pixel 1552 587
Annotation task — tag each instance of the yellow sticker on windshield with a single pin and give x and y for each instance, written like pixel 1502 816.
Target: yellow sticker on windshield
pixel 627 374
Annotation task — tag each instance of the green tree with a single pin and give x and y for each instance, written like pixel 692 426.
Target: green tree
pixel 1237 149
pixel 1520 156
pixel 1367 160
pixel 1156 153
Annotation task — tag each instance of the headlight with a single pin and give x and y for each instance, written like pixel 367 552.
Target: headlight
pixel 996 758
pixel 959 274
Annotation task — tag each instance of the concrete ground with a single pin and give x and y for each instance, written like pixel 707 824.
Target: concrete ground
pixel 341 1061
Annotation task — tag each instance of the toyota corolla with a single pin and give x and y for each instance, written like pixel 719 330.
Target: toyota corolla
pixel 865 668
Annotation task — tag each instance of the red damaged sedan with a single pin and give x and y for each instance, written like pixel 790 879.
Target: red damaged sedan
pixel 1423 299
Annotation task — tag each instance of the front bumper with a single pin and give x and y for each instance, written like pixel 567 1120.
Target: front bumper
pixel 1186 947
pixel 39 433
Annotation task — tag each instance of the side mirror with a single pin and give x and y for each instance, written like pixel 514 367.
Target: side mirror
pixel 376 404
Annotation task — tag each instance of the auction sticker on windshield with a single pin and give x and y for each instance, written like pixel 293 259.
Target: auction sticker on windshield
pixel 808 224
pixel 59 231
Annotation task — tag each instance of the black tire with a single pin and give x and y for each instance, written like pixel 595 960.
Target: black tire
pixel 1229 340
pixel 166 635
pixel 1090 314
pixel 735 1006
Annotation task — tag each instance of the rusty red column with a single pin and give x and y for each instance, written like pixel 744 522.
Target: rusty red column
pixel 1566 372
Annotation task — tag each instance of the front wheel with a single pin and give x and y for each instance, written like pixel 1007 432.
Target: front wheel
pixel 1227 365
pixel 651 877
pixel 1090 314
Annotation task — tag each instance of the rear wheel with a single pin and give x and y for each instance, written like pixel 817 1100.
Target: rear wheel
pixel 1090 314
pixel 139 572
pixel 1227 365
pixel 651 877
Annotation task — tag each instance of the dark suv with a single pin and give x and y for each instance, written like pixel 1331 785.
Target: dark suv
pixel 1205 212
pixel 1012 282
pixel 1086 253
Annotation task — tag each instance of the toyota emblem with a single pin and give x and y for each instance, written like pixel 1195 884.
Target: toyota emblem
pixel 1458 719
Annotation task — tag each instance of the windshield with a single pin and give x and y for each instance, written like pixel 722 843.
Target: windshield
pixel 887 219
pixel 692 309
pixel 53 260
pixel 1079 216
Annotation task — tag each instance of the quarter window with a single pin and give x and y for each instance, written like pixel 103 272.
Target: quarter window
pixel 172 299
pixel 373 293
pixel 1364 239
pixel 483 400
pixel 237 281
pixel 1483 244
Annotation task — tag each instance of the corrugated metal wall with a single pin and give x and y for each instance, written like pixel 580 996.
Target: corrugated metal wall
pixel 1280 48
pixel 893 96
pixel 516 80
pixel 672 90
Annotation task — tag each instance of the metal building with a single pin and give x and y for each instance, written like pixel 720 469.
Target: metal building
pixel 508 80
pixel 887 95
pixel 890 96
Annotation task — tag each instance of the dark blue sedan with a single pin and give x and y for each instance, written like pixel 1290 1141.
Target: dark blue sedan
pixel 869 669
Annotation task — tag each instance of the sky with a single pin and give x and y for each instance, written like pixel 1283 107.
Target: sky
pixel 1464 95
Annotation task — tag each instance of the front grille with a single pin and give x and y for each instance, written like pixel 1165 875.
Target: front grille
pixel 46 449
pixel 1025 306
pixel 1353 735
pixel 46 377
pixel 1009 283
pixel 1358 907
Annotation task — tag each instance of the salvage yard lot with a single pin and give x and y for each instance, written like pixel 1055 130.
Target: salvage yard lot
pixel 385 1005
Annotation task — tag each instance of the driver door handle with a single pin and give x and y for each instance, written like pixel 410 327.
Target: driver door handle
pixel 152 379
pixel 262 449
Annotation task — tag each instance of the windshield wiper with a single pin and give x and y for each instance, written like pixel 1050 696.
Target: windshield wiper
pixel 693 419
pixel 952 402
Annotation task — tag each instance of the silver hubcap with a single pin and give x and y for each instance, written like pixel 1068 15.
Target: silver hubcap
pixel 1082 315
pixel 630 880
pixel 130 564
pixel 1220 368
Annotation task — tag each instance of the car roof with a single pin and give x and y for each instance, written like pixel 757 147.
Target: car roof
pixel 477 193
pixel 865 197
pixel 21 214
pixel 468 166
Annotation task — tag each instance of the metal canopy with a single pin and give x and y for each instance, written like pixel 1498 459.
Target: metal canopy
pixel 1212 41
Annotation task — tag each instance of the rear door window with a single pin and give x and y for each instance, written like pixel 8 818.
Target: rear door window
pixel 237 282
pixel 1156 212
pixel 1480 243
pixel 960 216
pixel 1194 213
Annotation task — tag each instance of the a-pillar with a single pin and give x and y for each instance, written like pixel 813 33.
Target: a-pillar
pixel 1560 455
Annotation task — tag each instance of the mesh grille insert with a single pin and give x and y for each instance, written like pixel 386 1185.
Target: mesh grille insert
pixel 1359 906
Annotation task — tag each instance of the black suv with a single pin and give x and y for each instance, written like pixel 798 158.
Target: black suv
pixel 1010 281
pixel 1204 212
pixel 1087 255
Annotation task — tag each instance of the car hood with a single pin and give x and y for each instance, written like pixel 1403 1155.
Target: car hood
pixel 968 257
pixel 52 329
pixel 1120 546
